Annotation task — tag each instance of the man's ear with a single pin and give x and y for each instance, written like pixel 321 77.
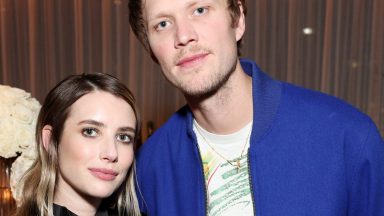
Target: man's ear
pixel 46 135
pixel 240 25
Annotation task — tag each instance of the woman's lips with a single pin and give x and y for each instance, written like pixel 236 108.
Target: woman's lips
pixel 104 174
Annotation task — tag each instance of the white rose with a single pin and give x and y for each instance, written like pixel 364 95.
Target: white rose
pixel 18 117
pixel 22 114
pixel 8 141
pixel 11 93
pixel 19 167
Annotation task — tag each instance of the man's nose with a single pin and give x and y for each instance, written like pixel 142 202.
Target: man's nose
pixel 185 33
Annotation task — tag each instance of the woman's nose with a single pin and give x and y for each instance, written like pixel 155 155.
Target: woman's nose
pixel 108 151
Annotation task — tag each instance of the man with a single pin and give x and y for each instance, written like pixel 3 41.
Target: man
pixel 246 144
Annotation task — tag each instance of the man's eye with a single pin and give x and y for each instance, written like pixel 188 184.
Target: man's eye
pixel 125 138
pixel 89 132
pixel 161 25
pixel 200 11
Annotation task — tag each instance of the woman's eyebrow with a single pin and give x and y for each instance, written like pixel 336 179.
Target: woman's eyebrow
pixel 100 124
pixel 130 129
pixel 92 122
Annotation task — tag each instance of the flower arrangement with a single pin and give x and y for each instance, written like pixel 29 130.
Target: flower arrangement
pixel 18 116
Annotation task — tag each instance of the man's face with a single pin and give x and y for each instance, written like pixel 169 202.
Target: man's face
pixel 193 41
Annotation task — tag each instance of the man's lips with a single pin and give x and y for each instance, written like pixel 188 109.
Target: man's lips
pixel 191 59
pixel 104 174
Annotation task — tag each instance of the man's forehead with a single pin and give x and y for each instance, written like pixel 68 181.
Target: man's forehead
pixel 150 4
pixel 154 7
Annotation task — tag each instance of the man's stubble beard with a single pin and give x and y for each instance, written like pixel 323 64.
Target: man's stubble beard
pixel 217 82
pixel 211 85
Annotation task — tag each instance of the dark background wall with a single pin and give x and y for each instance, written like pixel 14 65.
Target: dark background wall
pixel 43 41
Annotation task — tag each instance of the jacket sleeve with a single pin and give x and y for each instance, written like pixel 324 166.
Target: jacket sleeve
pixel 138 187
pixel 366 191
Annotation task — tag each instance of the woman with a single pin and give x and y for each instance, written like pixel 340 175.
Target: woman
pixel 86 137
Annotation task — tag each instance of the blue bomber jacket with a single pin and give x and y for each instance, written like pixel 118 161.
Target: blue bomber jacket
pixel 310 154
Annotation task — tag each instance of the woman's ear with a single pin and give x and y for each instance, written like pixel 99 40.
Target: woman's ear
pixel 46 134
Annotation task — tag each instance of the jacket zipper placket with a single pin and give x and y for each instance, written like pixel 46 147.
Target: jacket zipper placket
pixel 205 184
pixel 250 184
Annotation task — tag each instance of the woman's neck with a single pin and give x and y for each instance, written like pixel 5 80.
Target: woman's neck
pixel 76 203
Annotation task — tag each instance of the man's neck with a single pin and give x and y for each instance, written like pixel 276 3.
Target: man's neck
pixel 229 109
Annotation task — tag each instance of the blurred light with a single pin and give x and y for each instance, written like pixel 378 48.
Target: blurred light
pixel 354 64
pixel 308 31
pixel 5 195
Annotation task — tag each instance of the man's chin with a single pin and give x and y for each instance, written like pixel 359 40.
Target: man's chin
pixel 200 94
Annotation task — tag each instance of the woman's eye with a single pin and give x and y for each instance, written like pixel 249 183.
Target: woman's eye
pixel 125 138
pixel 200 11
pixel 89 132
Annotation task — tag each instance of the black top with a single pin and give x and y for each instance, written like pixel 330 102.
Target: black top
pixel 63 211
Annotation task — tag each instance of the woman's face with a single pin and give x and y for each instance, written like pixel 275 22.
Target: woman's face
pixel 96 148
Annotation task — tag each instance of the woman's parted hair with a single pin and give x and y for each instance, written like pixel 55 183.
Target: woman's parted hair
pixel 138 26
pixel 41 178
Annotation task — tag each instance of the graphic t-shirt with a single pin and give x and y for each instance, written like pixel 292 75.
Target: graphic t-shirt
pixel 227 184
